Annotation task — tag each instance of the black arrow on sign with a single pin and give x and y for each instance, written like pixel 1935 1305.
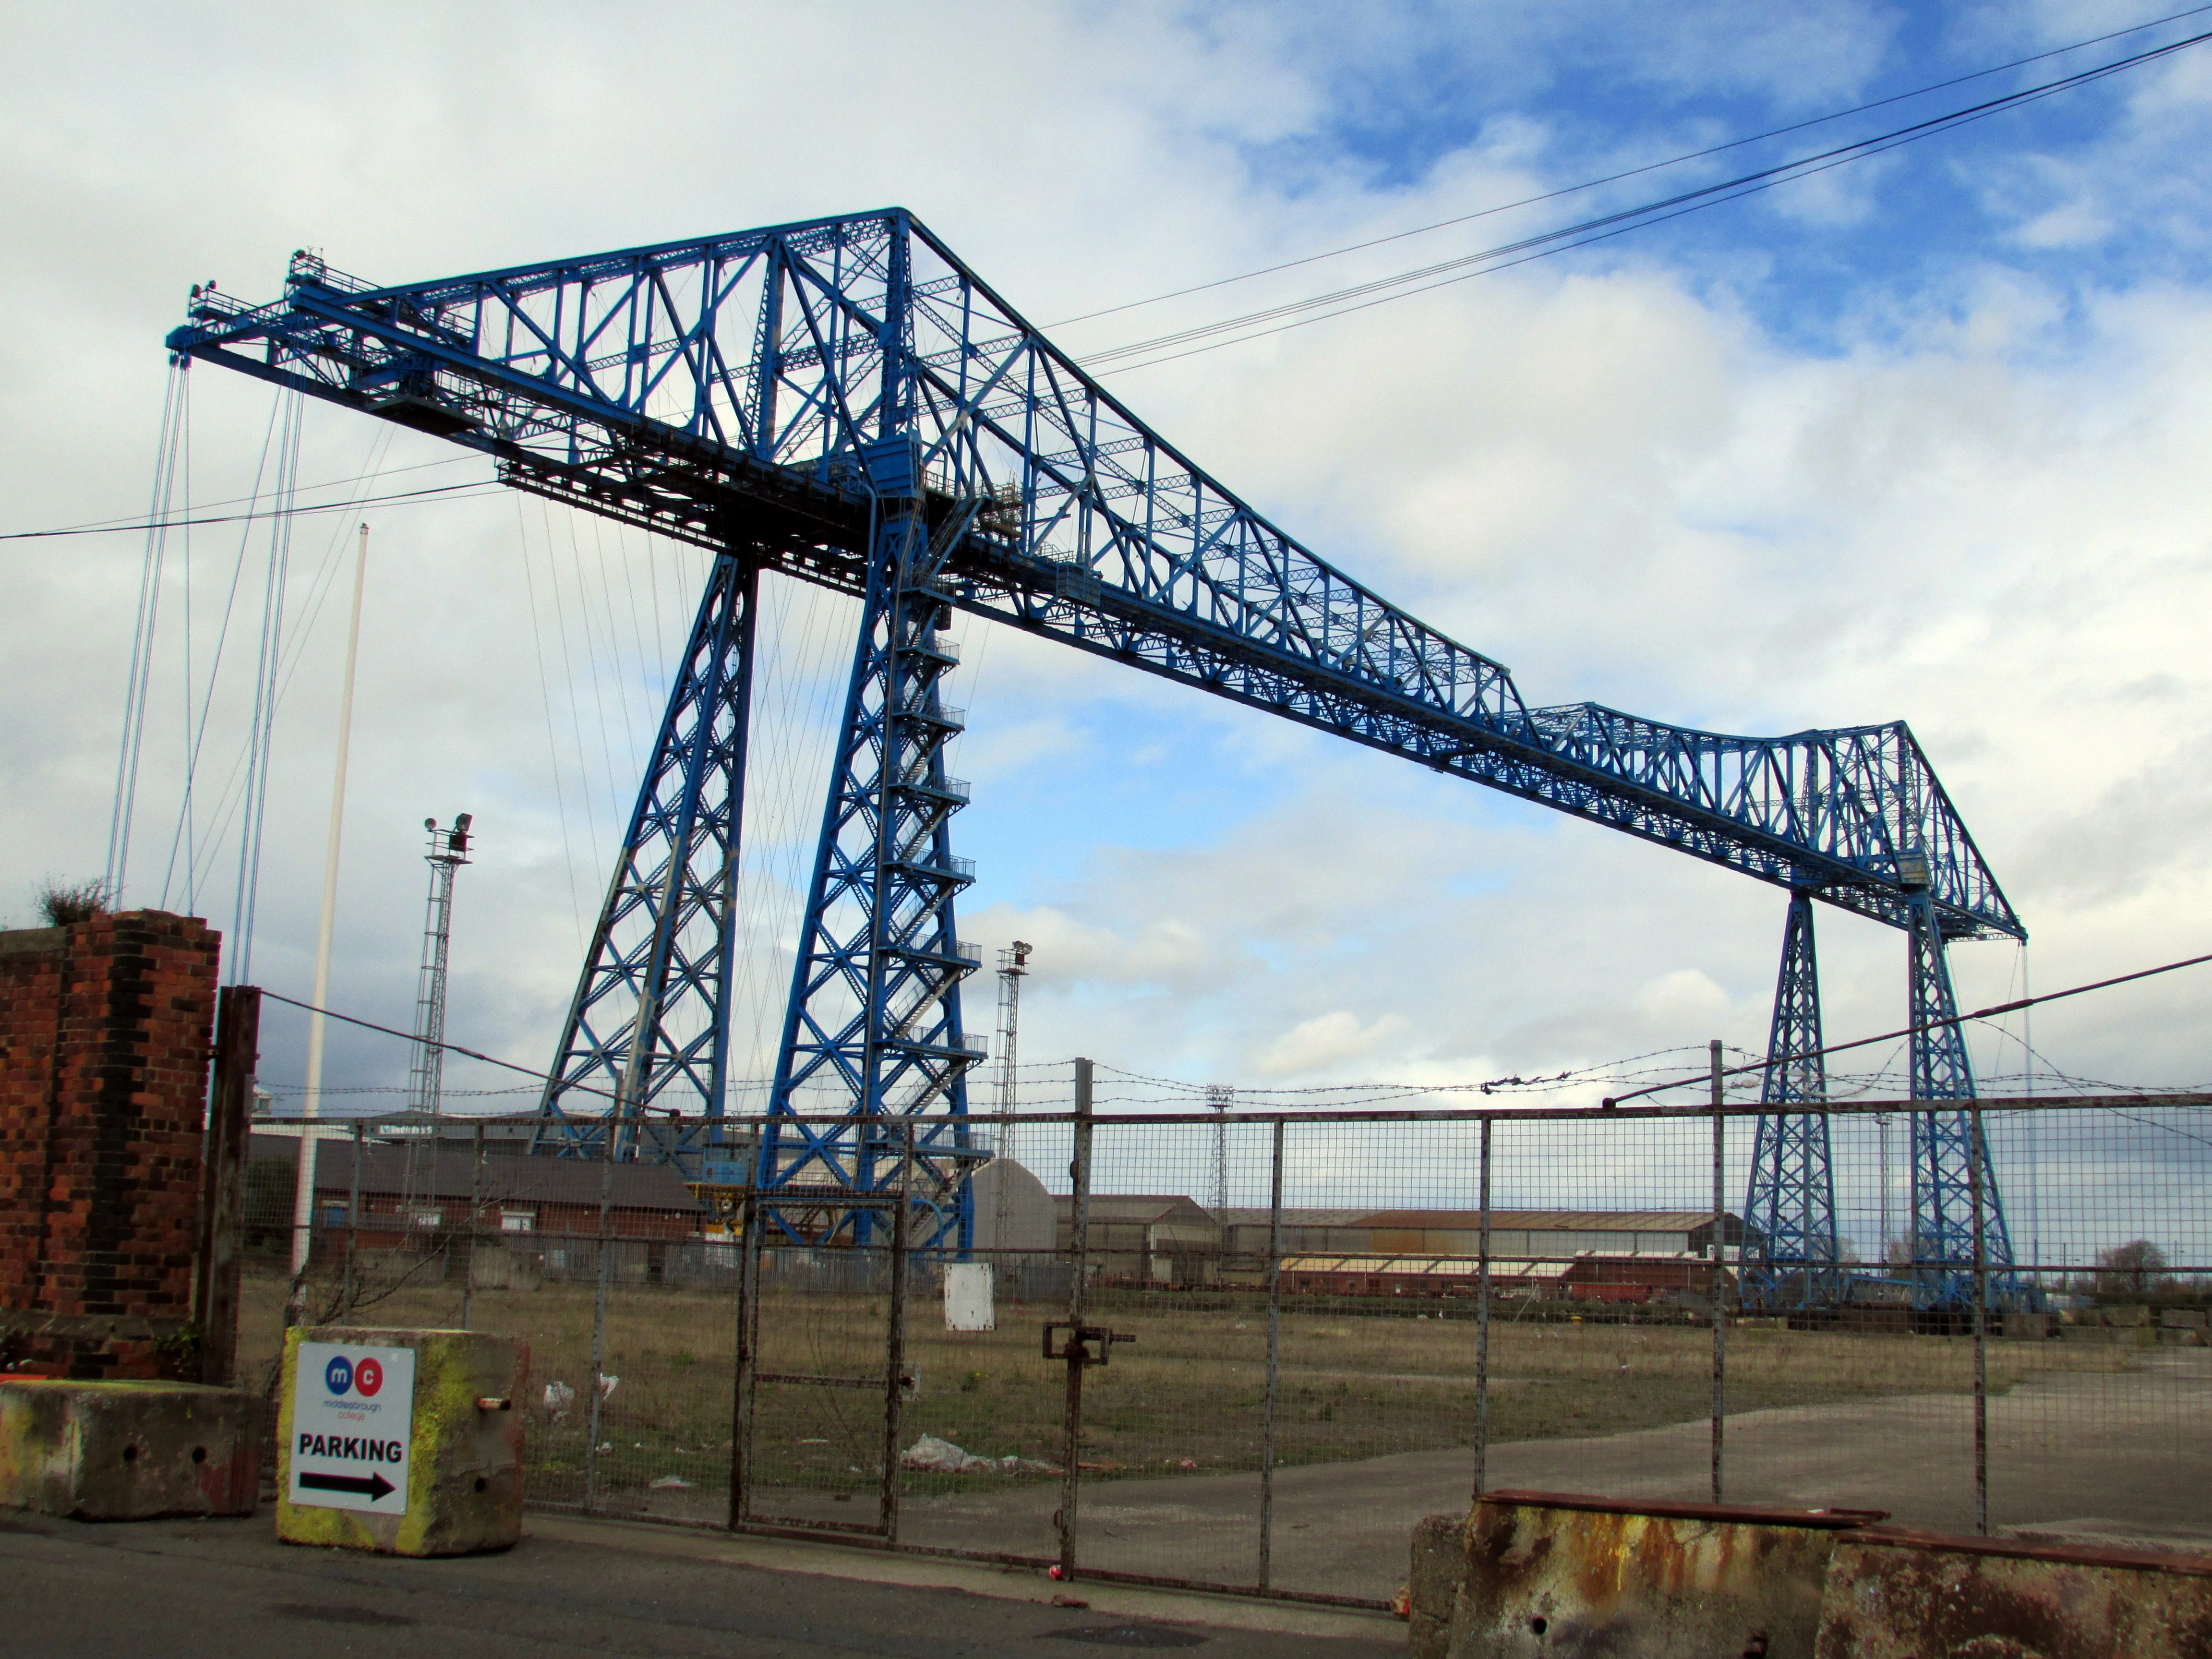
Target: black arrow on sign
pixel 372 1485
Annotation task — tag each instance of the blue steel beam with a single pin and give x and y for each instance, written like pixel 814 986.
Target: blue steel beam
pixel 1944 1153
pixel 1790 1213
pixel 648 1029
pixel 724 391
pixel 872 1034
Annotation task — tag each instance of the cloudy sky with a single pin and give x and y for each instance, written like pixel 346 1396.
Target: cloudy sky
pixel 1922 438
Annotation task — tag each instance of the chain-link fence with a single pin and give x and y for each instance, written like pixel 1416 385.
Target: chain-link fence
pixel 1250 1350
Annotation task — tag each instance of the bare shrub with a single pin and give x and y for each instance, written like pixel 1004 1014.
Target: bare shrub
pixel 64 903
pixel 2135 1268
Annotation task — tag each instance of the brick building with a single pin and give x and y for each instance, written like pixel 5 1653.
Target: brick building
pixel 408 1192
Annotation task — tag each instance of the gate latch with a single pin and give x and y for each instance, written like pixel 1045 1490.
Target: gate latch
pixel 1091 1344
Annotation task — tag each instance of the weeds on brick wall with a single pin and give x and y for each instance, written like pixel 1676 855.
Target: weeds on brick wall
pixel 178 1355
pixel 64 904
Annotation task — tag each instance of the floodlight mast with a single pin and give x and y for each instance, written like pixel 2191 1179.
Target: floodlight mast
pixel 1013 968
pixel 844 402
pixel 449 850
pixel 1219 1098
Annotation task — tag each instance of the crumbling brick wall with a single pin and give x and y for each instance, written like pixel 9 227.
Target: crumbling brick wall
pixel 105 1029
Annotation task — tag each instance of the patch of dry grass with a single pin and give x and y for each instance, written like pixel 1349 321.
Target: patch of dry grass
pixel 1190 1391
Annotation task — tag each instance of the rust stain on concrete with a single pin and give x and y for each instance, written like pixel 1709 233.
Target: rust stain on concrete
pixel 1896 1595
pixel 1554 1574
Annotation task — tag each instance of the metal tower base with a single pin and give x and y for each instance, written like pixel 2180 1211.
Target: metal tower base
pixel 648 1029
pixel 871 1089
pixel 1947 1164
pixel 1790 1250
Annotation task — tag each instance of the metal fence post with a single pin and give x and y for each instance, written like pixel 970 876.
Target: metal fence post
pixel 1274 1358
pixel 1975 1154
pixel 599 1311
pixel 748 1343
pixel 1719 1253
pixel 895 1344
pixel 352 1289
pixel 1078 1171
pixel 476 1220
pixel 1482 1320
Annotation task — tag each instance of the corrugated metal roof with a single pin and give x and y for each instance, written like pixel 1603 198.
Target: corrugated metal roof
pixel 1133 1207
pixel 1258 1218
pixel 507 1179
pixel 1452 1267
pixel 1595 1221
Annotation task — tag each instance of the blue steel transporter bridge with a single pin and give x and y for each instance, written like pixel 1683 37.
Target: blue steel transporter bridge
pixel 844 402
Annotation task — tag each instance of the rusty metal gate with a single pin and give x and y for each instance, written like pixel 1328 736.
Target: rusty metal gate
pixel 856 1419
pixel 821 1364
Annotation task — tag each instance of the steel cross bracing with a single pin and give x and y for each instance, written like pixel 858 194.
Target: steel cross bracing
pixel 648 1028
pixel 1944 1153
pixel 1789 1214
pixel 723 391
pixel 733 390
pixel 873 1032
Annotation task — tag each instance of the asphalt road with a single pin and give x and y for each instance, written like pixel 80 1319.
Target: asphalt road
pixel 227 1589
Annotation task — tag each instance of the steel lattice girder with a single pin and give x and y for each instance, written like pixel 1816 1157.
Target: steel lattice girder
pixel 874 1019
pixel 1791 1202
pixel 649 1026
pixel 1944 1155
pixel 724 391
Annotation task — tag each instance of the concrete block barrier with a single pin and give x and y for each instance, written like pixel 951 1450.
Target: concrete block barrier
pixel 401 1442
pixel 128 1451
pixel 1898 1595
pixel 1439 1569
pixel 1561 1575
pixel 1553 1573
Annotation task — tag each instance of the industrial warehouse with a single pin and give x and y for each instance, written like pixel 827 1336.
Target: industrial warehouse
pixel 534 1217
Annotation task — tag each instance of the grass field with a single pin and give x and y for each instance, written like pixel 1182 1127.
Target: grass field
pixel 1188 1394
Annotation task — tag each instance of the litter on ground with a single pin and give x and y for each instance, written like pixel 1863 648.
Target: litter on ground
pixel 931 1455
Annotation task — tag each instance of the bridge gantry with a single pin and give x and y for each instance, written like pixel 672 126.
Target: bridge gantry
pixel 844 402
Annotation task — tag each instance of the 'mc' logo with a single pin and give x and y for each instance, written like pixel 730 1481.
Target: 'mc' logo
pixel 342 1375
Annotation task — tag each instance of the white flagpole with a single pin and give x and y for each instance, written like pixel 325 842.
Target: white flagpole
pixel 303 1191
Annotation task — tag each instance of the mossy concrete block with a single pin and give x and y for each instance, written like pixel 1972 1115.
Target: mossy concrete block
pixel 128 1451
pixel 463 1468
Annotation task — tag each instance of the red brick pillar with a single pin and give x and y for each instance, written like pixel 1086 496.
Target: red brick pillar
pixel 104 1044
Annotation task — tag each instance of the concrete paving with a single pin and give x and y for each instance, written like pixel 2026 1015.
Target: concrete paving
pixel 228 1589
pixel 2107 1457
pixel 2121 1459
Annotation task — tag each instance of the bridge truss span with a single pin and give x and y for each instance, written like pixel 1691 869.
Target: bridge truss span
pixel 784 395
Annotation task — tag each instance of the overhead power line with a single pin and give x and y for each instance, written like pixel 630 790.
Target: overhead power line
pixel 1424 279
pixel 1630 172
pixel 448 1048
pixel 1913 1030
pixel 140 526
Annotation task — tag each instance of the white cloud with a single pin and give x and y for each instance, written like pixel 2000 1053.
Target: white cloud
pixel 1978 503
pixel 1326 1043
pixel 1680 999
